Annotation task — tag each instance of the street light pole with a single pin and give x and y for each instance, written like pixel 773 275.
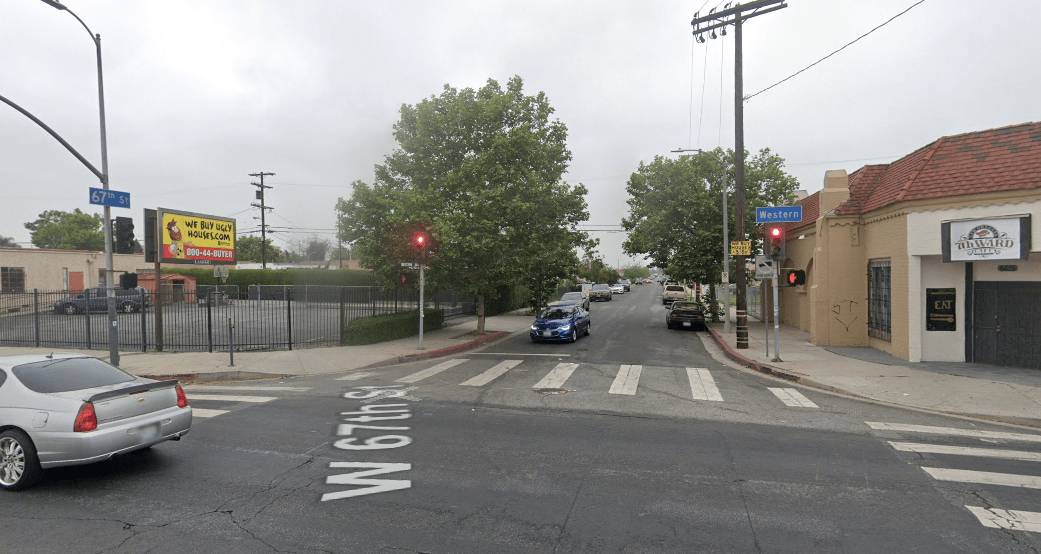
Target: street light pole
pixel 113 329
pixel 726 241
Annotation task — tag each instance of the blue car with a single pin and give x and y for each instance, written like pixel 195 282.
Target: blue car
pixel 560 322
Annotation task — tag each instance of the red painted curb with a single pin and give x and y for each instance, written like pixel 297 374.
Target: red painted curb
pixel 452 349
pixel 751 364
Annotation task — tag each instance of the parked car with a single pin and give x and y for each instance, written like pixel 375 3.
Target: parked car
pixel 685 314
pixel 673 293
pixel 600 292
pixel 70 409
pixel 576 298
pixel 560 322
pixel 626 286
pixel 95 299
pixel 617 288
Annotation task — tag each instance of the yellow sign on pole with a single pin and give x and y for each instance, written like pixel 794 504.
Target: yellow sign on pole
pixel 741 248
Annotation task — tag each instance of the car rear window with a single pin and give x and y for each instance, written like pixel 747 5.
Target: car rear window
pixel 68 374
pixel 686 307
pixel 674 288
pixel 601 287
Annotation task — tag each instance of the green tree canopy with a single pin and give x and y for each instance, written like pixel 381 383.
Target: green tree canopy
pixel 247 249
pixel 8 242
pixel 67 231
pixel 480 170
pixel 634 272
pixel 676 213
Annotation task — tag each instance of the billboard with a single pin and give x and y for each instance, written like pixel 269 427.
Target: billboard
pixel 190 238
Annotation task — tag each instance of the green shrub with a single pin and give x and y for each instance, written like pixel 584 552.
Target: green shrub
pixel 382 328
pixel 246 277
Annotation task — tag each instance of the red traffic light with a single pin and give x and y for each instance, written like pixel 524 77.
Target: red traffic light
pixel 775 232
pixel 420 240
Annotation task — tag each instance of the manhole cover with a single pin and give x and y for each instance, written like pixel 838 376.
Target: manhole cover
pixel 551 391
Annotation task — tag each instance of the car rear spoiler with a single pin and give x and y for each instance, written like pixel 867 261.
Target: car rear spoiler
pixel 132 390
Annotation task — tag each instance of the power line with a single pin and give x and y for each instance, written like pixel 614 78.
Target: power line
pixel 835 52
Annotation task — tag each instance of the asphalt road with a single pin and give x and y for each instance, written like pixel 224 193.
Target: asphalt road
pixel 634 439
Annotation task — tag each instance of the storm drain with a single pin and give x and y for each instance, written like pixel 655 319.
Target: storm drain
pixel 551 391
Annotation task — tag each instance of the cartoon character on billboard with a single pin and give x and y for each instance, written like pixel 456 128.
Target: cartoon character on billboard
pixel 176 247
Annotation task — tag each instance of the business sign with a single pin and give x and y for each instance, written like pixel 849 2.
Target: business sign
pixel 740 248
pixel 190 238
pixel 778 214
pixel 940 309
pixel 110 198
pixel 982 240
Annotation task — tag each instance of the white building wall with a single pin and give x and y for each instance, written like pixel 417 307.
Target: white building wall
pixel 924 248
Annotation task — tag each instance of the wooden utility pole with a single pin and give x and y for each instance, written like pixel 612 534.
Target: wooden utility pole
pixel 263 213
pixel 709 23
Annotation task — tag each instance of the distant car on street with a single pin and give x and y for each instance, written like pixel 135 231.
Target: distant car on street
pixel 95 299
pixel 576 298
pixel 560 322
pixel 600 292
pixel 625 285
pixel 685 314
pixel 673 293
pixel 617 288
pixel 70 409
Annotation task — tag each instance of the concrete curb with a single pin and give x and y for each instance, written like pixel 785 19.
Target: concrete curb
pixel 214 376
pixel 752 364
pixel 452 349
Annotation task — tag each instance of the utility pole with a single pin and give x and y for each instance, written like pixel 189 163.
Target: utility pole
pixel 263 212
pixel 735 16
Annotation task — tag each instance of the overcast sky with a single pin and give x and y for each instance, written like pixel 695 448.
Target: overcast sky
pixel 199 94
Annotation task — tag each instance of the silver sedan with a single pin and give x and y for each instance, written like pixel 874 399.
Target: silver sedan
pixel 70 409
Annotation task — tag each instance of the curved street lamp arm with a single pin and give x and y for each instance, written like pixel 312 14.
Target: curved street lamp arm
pixel 67 146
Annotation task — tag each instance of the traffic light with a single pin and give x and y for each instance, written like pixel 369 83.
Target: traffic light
pixel 407 278
pixel 419 241
pixel 774 244
pixel 793 277
pixel 128 280
pixel 123 241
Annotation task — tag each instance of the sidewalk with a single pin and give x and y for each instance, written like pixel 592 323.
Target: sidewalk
pixel 1005 394
pixel 199 367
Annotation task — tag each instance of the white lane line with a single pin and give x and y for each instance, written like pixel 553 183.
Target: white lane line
pixel 516 354
pixel 230 398
pixel 232 388
pixel 1014 520
pixel 702 385
pixel 984 477
pixel 355 376
pixel 966 451
pixel 420 375
pixel 627 380
pixel 556 378
pixel 953 432
pixel 204 413
pixel 492 374
pixel 793 398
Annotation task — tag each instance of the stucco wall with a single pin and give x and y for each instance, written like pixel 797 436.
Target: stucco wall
pixel 43 268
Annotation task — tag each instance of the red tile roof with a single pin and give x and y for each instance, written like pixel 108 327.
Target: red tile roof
pixel 811 207
pixel 1003 159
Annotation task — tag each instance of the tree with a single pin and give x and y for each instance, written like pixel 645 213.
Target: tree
pixel 316 249
pixel 8 242
pixel 67 231
pixel 635 272
pixel 247 249
pixel 480 171
pixel 676 215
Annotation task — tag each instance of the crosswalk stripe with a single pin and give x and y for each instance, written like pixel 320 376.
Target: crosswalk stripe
pixel 231 398
pixel 492 374
pixel 792 397
pixel 702 385
pixel 1015 520
pixel 966 451
pixel 953 432
pixel 420 375
pixel 627 380
pixel 556 378
pixel 355 376
pixel 984 477
pixel 203 412
pixel 249 388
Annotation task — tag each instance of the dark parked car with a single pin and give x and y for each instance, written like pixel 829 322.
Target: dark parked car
pixel 561 322
pixel 95 299
pixel 577 298
pixel 600 292
pixel 685 314
pixel 625 284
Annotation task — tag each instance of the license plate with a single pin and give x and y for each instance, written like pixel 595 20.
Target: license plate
pixel 546 333
pixel 686 324
pixel 147 432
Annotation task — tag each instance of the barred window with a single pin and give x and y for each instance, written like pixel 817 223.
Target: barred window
pixel 12 279
pixel 879 295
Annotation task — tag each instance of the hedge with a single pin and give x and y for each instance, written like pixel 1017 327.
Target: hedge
pixel 246 277
pixel 382 328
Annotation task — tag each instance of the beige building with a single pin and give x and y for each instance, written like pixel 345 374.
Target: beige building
pixel 28 269
pixel 933 257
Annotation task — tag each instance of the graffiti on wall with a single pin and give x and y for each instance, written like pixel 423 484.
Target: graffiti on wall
pixel 844 313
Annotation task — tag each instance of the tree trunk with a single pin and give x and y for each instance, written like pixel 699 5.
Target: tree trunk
pixel 480 314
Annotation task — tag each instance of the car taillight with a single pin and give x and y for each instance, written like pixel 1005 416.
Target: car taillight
pixel 86 419
pixel 182 399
